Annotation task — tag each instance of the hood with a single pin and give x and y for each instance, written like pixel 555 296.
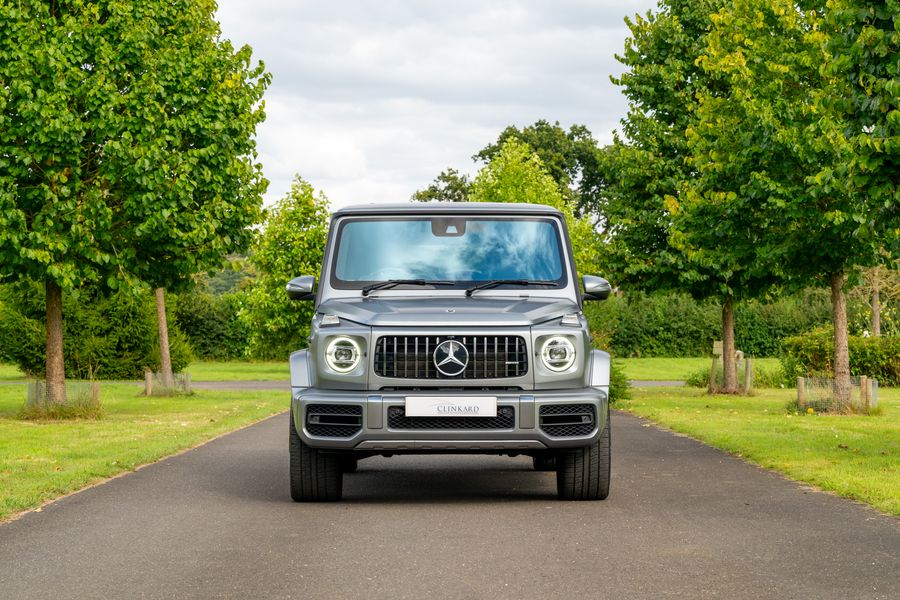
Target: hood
pixel 448 312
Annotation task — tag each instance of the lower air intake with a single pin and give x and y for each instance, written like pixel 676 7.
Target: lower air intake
pixel 333 420
pixel 568 420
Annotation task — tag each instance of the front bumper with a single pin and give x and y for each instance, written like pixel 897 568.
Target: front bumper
pixel 376 435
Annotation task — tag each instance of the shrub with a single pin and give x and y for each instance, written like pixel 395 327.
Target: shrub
pixel 639 324
pixel 106 337
pixel 211 323
pixel 291 243
pixel 762 378
pixel 619 388
pixel 654 325
pixel 811 354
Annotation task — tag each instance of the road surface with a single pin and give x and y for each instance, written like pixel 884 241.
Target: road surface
pixel 683 521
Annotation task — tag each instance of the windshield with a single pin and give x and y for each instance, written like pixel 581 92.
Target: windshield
pixel 461 250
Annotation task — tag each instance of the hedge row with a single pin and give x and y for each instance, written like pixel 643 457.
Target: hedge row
pixel 812 354
pixel 637 324
pixel 212 324
pixel 107 337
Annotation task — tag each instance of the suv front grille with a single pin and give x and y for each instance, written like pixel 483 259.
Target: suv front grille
pixel 333 420
pixel 490 356
pixel 505 419
pixel 567 420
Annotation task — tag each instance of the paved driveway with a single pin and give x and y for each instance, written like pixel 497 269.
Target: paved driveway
pixel 683 521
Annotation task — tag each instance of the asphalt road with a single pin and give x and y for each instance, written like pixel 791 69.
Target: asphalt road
pixel 682 521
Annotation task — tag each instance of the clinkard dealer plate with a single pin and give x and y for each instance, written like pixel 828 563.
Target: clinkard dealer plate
pixel 451 406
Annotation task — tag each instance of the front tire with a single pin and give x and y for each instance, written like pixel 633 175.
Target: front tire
pixel 315 476
pixel 584 474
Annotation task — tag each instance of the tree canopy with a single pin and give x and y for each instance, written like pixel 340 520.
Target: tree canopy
pixel 516 174
pixel 126 146
pixel 292 243
pixel 449 186
pixel 569 157
pixel 774 147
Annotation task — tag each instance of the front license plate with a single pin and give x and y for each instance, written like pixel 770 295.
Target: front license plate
pixel 449 406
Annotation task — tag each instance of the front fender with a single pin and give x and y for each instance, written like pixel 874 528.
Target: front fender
pixel 301 370
pixel 599 374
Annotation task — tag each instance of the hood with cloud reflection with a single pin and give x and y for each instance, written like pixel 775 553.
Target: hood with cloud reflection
pixel 448 312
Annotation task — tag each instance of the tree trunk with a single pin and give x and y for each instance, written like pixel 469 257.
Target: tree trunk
pixel 841 349
pixel 55 367
pixel 730 384
pixel 876 312
pixel 165 360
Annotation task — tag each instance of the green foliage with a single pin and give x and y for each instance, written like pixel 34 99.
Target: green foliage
pixel 811 354
pixel 762 377
pixel 127 146
pixel 654 325
pixel 516 174
pixel 237 274
pixel 865 49
pixel 569 157
pixel 676 325
pixel 291 244
pixel 211 323
pixel 107 337
pixel 771 148
pixel 449 186
pixel 619 388
pixel 644 169
pixel 79 405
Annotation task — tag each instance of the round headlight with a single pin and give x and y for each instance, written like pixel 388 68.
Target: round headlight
pixel 558 353
pixel 342 354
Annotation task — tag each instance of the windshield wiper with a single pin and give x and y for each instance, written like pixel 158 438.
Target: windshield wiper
pixel 383 285
pixel 486 285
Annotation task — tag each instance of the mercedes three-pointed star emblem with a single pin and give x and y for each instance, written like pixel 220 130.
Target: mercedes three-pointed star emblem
pixel 451 358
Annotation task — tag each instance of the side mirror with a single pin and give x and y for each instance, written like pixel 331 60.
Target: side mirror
pixel 596 288
pixel 301 288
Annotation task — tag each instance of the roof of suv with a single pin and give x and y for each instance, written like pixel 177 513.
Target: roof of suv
pixel 418 208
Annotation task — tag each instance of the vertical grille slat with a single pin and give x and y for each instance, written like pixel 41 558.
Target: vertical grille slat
pixel 496 373
pixel 490 356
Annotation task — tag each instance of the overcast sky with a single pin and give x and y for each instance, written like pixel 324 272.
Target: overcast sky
pixel 371 100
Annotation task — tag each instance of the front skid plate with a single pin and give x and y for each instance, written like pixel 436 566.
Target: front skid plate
pixel 458 445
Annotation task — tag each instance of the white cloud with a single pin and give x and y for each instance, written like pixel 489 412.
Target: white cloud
pixel 370 101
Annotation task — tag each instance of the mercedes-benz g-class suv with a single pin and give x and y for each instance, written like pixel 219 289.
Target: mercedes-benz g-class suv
pixel 449 328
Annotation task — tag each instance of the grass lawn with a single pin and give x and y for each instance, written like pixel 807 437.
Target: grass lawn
pixel 854 456
pixel 10 373
pixel 42 460
pixel 237 370
pixel 675 369
pixel 233 370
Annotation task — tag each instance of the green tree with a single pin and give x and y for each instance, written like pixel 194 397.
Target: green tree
pixel 651 243
pixel 126 147
pixel 864 49
pixel 780 139
pixel 569 157
pixel 449 186
pixel 291 244
pixel 516 174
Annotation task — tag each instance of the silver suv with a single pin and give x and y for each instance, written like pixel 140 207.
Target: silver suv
pixel 449 328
